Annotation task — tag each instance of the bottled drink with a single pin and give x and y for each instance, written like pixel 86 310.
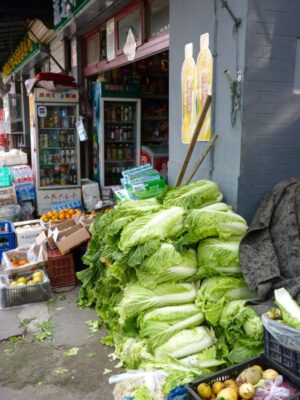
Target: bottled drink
pixel 45 141
pixel 130 113
pixel 50 122
pixel 62 156
pixel 112 134
pixel 64 118
pixel 120 152
pixel 108 153
pixel 117 133
pixel 126 114
pixel 122 113
pixel 70 140
pixel 72 155
pixel 68 156
pixel 55 119
pixel 113 114
pixel 61 139
pixel 127 152
pixel 113 152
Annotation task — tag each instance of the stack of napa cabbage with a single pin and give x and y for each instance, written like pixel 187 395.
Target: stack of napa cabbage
pixel 164 278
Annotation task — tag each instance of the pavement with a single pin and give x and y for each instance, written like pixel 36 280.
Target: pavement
pixel 39 369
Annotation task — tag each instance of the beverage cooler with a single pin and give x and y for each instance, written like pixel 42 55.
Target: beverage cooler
pixel 119 137
pixel 55 143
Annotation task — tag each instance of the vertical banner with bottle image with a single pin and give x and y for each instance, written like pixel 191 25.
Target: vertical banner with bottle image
pixel 196 83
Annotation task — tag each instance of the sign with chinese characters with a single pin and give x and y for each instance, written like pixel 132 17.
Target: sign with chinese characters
pixel 46 199
pixel 47 96
pixel 65 10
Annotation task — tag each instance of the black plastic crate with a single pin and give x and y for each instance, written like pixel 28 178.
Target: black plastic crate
pixel 12 296
pixel 235 370
pixel 281 354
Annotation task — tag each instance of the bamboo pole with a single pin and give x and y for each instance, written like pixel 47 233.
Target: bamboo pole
pixel 202 158
pixel 193 141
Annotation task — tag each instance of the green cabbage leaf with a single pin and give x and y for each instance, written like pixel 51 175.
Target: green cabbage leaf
pixel 161 324
pixel 203 360
pixel 187 342
pixel 217 291
pixel 167 264
pixel 215 220
pixel 290 309
pixel 161 225
pixel 194 195
pixel 137 298
pixel 218 257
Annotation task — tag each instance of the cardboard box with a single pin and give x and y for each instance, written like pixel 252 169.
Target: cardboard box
pixel 8 196
pixel 72 237
pixel 57 227
pixel 28 231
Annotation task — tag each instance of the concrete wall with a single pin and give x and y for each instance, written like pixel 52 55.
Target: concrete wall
pixel 271 118
pixel 188 20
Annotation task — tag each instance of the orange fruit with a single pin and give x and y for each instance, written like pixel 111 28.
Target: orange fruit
pixel 22 262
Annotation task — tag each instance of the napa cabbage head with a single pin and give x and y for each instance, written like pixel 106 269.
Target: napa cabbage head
pixel 162 323
pixel 187 342
pixel 203 360
pixel 194 195
pixel 217 291
pixel 167 264
pixel 161 225
pixel 137 208
pixel 132 352
pixel 137 298
pixel 212 221
pixel 290 309
pixel 241 322
pixel 218 257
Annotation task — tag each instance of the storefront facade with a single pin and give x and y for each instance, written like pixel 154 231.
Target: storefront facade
pixel 256 117
pixel 257 41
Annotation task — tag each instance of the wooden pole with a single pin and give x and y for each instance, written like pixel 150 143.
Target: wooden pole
pixel 202 158
pixel 193 141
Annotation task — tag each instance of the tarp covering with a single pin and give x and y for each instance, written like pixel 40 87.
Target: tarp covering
pixel 270 251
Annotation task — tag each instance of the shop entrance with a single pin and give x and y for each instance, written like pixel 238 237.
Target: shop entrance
pixel 150 142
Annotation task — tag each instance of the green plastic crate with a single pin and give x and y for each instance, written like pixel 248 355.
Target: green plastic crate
pixel 5 177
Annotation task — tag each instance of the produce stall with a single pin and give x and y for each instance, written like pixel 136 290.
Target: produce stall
pixel 165 278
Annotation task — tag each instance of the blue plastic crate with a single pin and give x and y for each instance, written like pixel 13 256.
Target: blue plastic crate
pixel 7 237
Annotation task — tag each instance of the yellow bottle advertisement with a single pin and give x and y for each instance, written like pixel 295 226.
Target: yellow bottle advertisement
pixel 188 94
pixel 204 84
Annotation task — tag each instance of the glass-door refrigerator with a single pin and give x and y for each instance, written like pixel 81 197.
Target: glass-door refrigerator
pixel 119 137
pixel 55 143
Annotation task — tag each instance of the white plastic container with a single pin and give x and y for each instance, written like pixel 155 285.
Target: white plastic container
pixel 27 231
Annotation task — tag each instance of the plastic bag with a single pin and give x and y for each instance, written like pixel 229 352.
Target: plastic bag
pixel 26 211
pixel 127 383
pixel 283 334
pixel 272 390
pixel 10 213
